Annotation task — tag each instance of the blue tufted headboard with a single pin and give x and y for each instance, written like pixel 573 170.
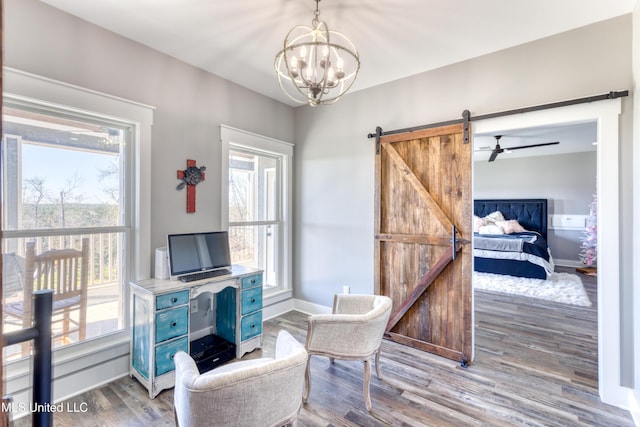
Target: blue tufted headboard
pixel 530 213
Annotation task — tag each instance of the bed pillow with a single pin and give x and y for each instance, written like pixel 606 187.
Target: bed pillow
pixel 494 216
pixel 490 229
pixel 477 223
pixel 510 226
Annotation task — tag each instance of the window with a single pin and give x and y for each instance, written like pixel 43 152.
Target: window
pixel 64 180
pixel 259 204
pixel 74 168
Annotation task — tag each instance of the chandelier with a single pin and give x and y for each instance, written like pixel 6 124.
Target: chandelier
pixel 316 65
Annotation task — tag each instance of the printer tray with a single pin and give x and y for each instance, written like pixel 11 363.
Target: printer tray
pixel 211 351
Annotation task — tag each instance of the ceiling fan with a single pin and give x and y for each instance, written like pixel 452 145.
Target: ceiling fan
pixel 497 150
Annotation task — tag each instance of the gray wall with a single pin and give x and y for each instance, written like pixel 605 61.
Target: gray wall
pixel 190 104
pixel 568 181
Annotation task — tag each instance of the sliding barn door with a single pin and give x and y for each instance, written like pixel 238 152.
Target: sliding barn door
pixel 422 239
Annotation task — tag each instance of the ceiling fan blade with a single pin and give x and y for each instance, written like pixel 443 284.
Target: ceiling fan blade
pixel 494 154
pixel 533 145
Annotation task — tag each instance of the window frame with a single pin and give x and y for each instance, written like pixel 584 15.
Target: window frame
pixel 123 229
pixel 240 140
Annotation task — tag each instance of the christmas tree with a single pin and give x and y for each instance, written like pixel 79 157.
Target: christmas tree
pixel 588 251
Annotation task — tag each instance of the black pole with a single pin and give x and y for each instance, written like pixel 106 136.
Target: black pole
pixel 42 372
pixel 40 333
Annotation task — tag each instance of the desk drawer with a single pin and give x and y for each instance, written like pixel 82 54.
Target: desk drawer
pixel 252 281
pixel 172 323
pixel 251 300
pixel 251 326
pixel 165 353
pixel 172 300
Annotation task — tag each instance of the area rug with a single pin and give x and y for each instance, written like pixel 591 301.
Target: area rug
pixel 560 287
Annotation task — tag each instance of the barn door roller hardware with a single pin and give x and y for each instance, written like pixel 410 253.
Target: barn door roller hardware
pixel 377 135
pixel 466 115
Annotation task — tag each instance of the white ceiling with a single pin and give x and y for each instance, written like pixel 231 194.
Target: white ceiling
pixel 238 39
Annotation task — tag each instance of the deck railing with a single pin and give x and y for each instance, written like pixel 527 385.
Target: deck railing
pixel 105 252
pixel 104 282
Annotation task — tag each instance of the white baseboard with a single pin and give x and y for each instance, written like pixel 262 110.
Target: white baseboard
pixel 275 310
pixel 567 263
pixel 311 308
pixel 634 406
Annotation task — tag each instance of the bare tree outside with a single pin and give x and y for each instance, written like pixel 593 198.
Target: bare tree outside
pixel 68 195
pixel 34 192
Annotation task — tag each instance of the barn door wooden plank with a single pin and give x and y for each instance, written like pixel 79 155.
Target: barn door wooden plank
pixel 413 180
pixel 422 190
pixel 420 288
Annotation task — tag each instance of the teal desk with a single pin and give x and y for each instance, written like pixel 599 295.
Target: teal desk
pixel 168 314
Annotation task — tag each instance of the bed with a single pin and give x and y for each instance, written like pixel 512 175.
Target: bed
pixel 524 251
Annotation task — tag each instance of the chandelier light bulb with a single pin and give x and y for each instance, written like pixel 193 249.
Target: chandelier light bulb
pixel 310 77
pixel 294 67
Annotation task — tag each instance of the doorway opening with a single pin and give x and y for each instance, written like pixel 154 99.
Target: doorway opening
pixel 605 116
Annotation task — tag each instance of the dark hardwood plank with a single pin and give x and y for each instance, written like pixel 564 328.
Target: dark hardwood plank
pixel 535 365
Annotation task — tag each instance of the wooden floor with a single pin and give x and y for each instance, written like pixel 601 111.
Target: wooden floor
pixel 535 365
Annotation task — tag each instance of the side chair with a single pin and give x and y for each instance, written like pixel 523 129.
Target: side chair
pixel 353 331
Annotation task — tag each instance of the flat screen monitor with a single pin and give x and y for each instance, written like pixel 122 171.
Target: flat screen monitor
pixel 197 252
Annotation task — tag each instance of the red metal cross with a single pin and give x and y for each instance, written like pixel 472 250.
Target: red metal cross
pixel 191 187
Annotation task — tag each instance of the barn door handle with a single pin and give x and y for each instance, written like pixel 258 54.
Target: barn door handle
pixel 454 242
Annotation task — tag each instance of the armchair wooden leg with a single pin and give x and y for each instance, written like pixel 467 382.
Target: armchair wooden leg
pixel 307 380
pixel 378 365
pixel 367 381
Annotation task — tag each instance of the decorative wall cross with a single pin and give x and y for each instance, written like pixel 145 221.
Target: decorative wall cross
pixel 191 176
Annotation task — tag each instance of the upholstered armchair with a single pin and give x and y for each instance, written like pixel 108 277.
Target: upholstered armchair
pixel 255 392
pixel 353 331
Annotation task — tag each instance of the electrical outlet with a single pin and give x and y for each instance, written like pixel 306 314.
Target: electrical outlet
pixel 194 305
pixel 346 289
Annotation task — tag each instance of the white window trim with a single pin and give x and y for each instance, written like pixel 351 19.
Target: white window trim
pixel 75 367
pixel 230 136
